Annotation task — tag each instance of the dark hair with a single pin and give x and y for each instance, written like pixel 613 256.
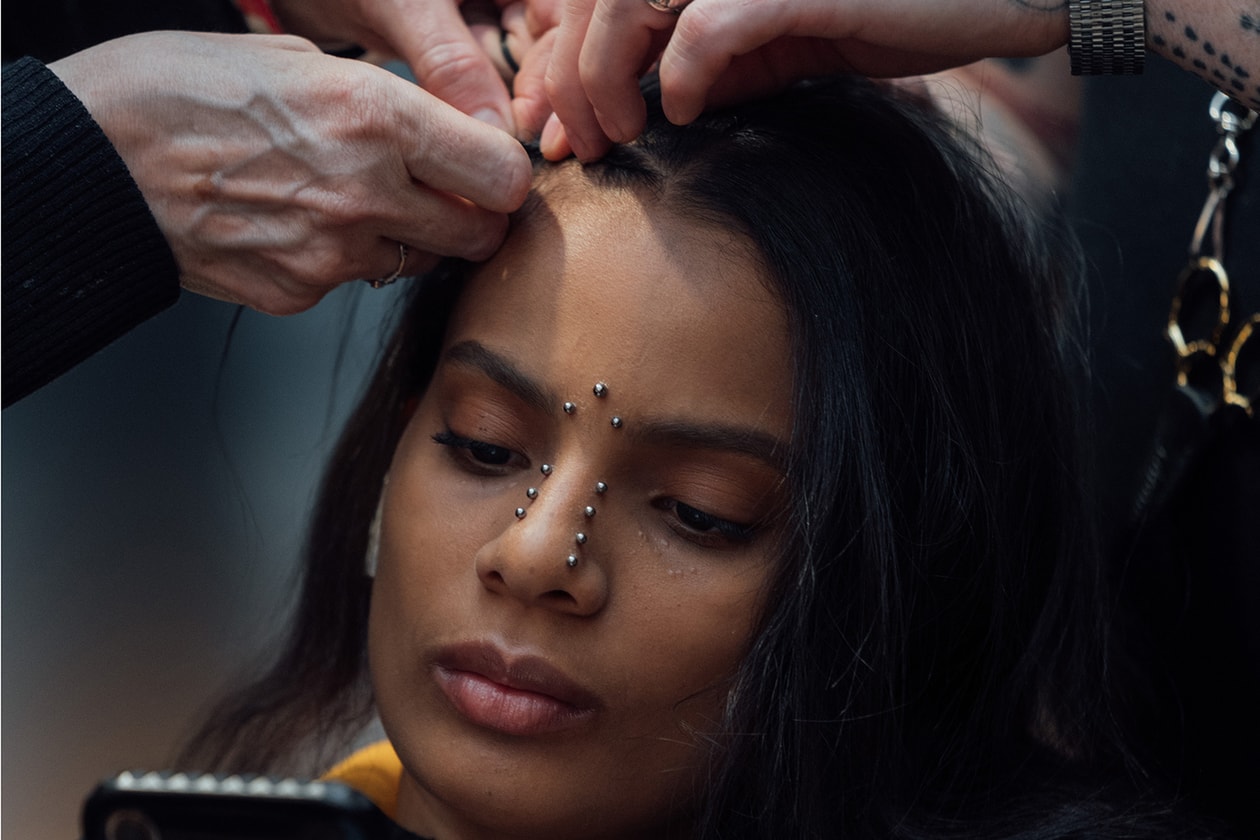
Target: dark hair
pixel 932 659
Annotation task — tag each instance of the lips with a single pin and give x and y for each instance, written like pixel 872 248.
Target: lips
pixel 515 695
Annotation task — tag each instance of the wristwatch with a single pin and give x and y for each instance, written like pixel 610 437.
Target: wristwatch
pixel 1106 36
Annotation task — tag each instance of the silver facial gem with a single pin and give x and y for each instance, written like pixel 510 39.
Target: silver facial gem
pixel 520 513
pixel 616 422
pixel 580 537
pixel 532 492
pixel 572 560
pixel 569 408
pixel 600 389
pixel 546 469
pixel 601 487
pixel 589 511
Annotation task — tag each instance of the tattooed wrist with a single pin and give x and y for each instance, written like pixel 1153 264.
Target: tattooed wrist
pixel 1223 50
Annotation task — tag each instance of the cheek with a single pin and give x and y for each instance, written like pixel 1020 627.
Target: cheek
pixel 422 551
pixel 694 628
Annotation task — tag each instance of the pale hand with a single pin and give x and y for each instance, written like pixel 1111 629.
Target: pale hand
pixel 719 51
pixel 277 172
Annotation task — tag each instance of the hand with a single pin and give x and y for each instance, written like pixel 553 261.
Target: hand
pixel 719 51
pixel 433 37
pixel 277 172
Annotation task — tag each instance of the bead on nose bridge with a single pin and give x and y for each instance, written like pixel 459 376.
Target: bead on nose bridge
pixel 600 390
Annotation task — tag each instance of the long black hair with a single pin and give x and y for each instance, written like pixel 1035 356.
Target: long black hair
pixel 933 655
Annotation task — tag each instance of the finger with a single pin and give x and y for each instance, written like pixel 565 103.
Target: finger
pixel 517 40
pixel 493 42
pixel 530 105
pixel 454 153
pixel 617 49
pixel 708 36
pixel 435 42
pixel 404 261
pixel 554 143
pixel 564 89
pixel 438 223
pixel 541 16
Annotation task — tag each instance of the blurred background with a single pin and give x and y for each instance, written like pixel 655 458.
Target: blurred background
pixel 153 508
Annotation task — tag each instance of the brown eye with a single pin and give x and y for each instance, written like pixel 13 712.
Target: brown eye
pixel 706 526
pixel 478 451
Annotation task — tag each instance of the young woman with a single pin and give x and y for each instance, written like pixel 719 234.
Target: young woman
pixel 736 496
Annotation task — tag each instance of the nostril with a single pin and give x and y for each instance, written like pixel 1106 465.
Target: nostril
pixel 559 598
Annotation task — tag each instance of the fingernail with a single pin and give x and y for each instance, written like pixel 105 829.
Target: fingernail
pixel 489 116
pixel 550 136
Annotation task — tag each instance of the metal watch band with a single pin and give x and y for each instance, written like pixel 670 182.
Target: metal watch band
pixel 1106 36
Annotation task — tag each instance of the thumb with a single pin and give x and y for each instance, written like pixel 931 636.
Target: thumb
pixel 436 43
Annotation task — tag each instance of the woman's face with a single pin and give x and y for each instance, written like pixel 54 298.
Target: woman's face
pixel 529 694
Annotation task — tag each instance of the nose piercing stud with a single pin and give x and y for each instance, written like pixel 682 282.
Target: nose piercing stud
pixel 600 389
pixel 545 469
pixel 569 408
pixel 572 560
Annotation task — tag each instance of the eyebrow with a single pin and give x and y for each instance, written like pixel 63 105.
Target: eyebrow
pixel 657 431
pixel 502 372
pixel 716 436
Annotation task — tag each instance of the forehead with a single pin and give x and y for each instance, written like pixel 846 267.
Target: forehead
pixel 599 284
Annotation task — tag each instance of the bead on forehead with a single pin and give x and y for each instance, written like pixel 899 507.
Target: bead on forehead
pixel 520 513
pixel 546 469
pixel 569 408
pixel 601 487
pixel 616 422
pixel 600 389
pixel 532 492
pixel 588 511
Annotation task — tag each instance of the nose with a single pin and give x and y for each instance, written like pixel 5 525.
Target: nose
pixel 544 555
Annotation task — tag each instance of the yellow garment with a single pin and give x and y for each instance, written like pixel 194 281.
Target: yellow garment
pixel 373 771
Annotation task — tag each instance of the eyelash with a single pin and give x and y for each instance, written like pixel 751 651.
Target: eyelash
pixel 705 527
pixel 481 457
pixel 690 522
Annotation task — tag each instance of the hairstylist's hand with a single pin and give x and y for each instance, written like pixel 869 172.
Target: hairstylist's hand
pixel 277 172
pixel 720 51
pixel 433 37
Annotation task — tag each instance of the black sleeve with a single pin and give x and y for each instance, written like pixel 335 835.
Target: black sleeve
pixel 84 260
pixel 52 29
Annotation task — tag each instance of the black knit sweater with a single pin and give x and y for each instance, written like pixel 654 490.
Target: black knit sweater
pixel 83 259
